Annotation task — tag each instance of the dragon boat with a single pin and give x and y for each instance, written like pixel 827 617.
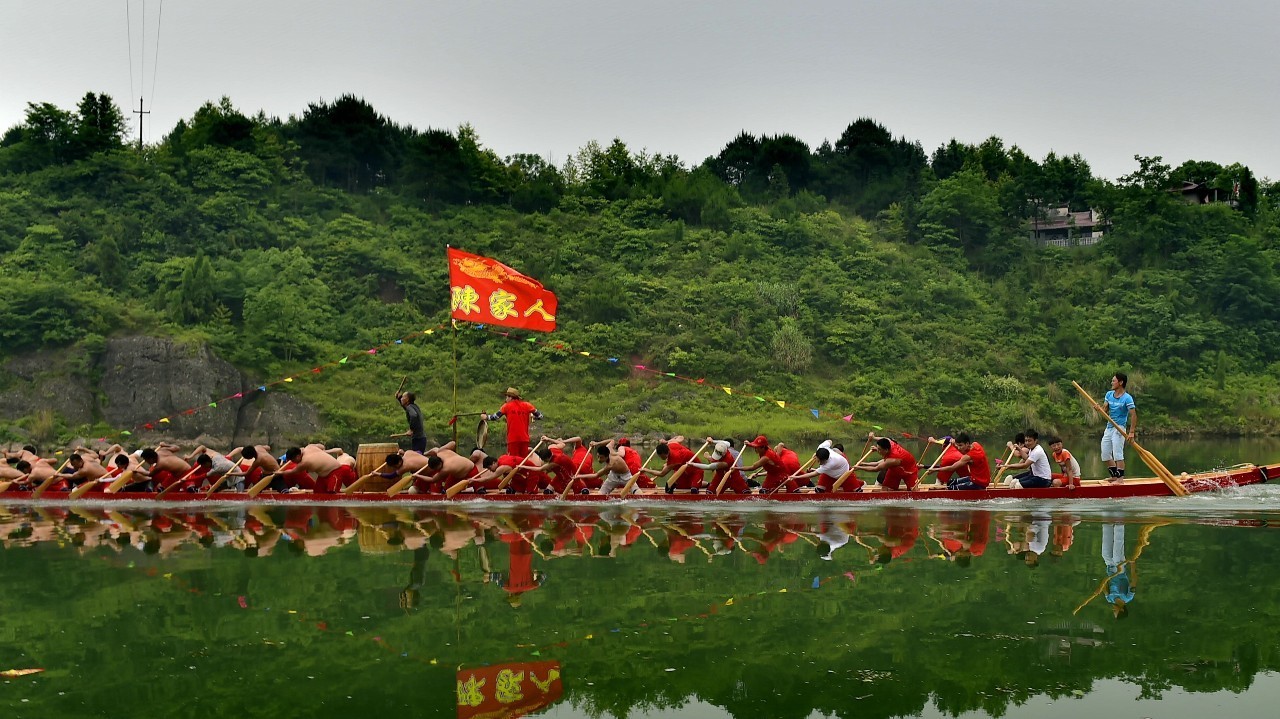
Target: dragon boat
pixel 1243 475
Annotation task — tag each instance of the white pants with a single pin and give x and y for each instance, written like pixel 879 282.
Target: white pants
pixel 1112 445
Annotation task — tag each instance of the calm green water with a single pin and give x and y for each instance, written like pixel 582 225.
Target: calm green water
pixel 932 609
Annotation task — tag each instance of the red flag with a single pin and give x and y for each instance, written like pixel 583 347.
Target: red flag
pixel 507 691
pixel 483 290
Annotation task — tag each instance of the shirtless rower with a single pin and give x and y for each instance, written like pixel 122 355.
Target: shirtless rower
pixel 261 462
pixel 163 465
pixel 615 467
pixel 445 467
pixel 314 460
pixel 85 467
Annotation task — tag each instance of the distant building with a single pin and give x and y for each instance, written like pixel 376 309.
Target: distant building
pixel 1061 227
pixel 1198 193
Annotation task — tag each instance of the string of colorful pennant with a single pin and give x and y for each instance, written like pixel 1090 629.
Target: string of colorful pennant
pixel 662 374
pixel 266 386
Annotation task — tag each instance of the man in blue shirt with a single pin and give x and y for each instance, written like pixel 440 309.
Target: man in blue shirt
pixel 1121 408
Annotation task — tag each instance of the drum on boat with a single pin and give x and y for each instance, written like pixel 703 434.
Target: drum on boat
pixel 369 457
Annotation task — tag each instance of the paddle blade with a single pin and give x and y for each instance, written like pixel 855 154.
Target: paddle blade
pixel 451 492
pixel 119 482
pixel 83 489
pixel 262 484
pixel 400 486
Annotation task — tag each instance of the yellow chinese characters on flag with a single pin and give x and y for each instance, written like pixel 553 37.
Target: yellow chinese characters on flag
pixel 483 290
pixel 508 691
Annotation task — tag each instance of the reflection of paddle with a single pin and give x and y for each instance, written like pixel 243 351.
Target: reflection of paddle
pixel 35 493
pixel 631 483
pixel 1144 538
pixel 680 470
pixel 356 484
pixel 1165 475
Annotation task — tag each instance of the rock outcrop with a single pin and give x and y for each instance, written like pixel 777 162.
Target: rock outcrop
pixel 139 380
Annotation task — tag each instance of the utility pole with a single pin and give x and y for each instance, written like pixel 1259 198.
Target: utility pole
pixel 139 112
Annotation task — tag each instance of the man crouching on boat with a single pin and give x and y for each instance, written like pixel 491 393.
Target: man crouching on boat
pixel 615 466
pixel 725 463
pixel 896 467
pixel 163 465
pixel 314 460
pixel 446 467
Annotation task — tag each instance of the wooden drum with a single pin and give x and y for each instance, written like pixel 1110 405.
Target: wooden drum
pixel 371 456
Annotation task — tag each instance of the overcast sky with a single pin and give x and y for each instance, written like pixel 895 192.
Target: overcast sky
pixel 1105 78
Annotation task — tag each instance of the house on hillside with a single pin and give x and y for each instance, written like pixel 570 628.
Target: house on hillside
pixel 1061 227
pixel 1198 193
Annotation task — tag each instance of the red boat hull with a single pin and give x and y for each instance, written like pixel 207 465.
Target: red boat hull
pixel 1202 482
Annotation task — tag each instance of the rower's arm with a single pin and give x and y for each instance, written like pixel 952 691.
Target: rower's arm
pixel 1133 421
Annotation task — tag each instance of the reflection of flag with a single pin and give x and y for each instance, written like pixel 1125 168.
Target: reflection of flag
pixel 508 691
pixel 483 290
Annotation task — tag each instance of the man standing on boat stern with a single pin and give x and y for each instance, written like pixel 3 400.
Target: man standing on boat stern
pixel 413 415
pixel 1122 409
pixel 517 413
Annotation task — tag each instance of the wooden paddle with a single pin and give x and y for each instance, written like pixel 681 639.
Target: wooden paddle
pixel 171 485
pixel 680 470
pixel 507 479
pixel 119 482
pixel 1156 466
pixel 1003 467
pixel 853 467
pixel 262 484
pixel 945 443
pixel 4 486
pixel 733 465
pixel 803 468
pixel 406 480
pixel 573 480
pixel 83 489
pixel 631 483
pixel 222 479
pixel 35 493
pixel 356 484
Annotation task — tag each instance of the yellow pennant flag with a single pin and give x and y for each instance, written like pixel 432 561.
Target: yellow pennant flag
pixel 781 404
pixel 729 603
pixel 727 390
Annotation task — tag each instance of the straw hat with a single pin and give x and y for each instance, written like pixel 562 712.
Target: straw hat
pixel 512 392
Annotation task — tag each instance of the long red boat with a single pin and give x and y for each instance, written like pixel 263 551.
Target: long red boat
pixel 1238 476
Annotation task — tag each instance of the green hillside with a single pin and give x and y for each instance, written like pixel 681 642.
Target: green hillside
pixel 862 277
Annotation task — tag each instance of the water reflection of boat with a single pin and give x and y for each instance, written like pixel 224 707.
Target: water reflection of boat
pixel 1232 477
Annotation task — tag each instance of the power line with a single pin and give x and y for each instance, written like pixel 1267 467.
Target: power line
pixel 155 61
pixel 129 26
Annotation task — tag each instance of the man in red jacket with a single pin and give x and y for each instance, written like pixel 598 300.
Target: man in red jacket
pixel 517 413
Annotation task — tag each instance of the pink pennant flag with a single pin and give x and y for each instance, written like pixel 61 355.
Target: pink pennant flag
pixel 847 418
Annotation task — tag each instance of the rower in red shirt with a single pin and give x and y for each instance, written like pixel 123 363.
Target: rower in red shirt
pixel 517 413
pixel 724 461
pixel 966 467
pixel 896 467
pixel 676 455
pixel 775 472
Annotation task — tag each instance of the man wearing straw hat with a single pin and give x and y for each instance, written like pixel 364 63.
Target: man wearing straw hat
pixel 517 413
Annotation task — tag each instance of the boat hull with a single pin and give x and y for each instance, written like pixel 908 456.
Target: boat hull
pixel 1138 487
